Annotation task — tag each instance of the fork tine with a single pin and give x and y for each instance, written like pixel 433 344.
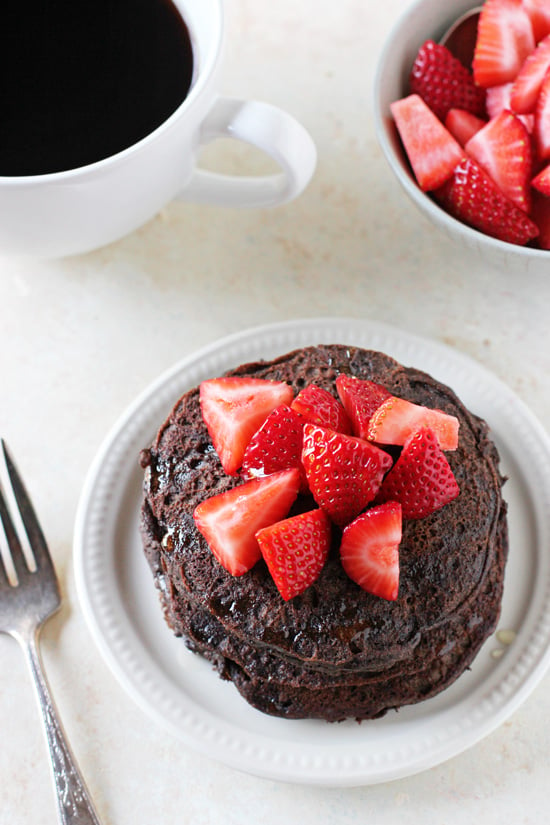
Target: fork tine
pixel 28 516
pixel 16 550
pixel 4 577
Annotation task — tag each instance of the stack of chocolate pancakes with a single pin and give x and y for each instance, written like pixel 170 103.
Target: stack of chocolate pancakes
pixel 336 651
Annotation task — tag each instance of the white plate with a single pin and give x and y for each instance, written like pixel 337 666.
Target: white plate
pixel 182 692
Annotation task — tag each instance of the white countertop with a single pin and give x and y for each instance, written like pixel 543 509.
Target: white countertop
pixel 81 337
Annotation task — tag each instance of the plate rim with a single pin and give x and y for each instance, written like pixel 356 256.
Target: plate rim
pixel 327 771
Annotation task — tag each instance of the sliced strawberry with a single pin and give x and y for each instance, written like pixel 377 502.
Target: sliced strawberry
pixel 504 39
pixel 539 15
pixel 542 119
pixel 540 213
pixel 527 85
pixel 318 406
pixel 473 198
pixel 233 408
pixel 344 473
pixel 295 550
pixel 360 398
pixel 230 520
pixel 542 181
pixel 443 82
pixel 276 446
pixel 370 550
pixel 503 148
pixel 498 98
pixel 431 149
pixel 463 125
pixel 421 479
pixel 397 419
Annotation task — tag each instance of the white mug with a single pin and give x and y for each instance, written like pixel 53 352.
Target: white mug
pixel 74 211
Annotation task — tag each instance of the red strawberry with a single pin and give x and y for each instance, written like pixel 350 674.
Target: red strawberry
pixel 504 40
pixel 277 445
pixel 541 216
pixel 473 198
pixel 396 419
pixel 539 14
pixel 542 119
pixel 230 520
pixel 463 125
pixel 421 479
pixel 503 148
pixel 233 408
pixel 360 398
pixel 431 149
pixel 527 85
pixel 542 181
pixel 499 98
pixel 443 82
pixel 370 550
pixel 318 406
pixel 295 550
pixel 344 473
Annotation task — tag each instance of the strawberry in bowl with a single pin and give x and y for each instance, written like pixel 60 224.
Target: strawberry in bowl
pixel 470 141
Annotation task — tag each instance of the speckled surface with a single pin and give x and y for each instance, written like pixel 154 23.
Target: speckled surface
pixel 83 336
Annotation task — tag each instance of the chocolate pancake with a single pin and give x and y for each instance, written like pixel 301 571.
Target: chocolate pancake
pixel 336 651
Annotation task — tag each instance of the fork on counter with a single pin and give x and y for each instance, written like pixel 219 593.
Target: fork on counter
pixel 29 594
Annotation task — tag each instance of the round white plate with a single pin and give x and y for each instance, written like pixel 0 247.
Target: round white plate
pixel 182 692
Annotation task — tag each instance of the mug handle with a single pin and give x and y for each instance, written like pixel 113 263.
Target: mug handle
pixel 271 130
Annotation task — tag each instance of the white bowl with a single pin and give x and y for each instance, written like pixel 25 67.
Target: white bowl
pixel 422 20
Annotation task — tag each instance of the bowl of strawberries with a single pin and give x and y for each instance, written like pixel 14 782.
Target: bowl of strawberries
pixel 464 123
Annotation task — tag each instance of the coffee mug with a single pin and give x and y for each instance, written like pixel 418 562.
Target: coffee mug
pixel 60 213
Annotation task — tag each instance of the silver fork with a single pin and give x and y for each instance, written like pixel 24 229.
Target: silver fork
pixel 26 601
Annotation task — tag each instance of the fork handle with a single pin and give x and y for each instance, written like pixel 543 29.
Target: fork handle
pixel 74 804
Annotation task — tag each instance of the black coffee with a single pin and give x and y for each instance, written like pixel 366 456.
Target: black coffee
pixel 83 79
